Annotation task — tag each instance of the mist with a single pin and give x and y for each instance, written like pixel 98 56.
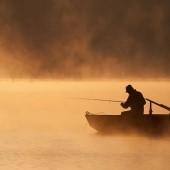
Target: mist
pixel 62 39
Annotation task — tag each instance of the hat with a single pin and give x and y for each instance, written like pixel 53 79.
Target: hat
pixel 129 88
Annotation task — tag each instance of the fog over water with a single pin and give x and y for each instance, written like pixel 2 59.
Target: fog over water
pixel 52 51
pixel 41 127
pixel 88 39
pixel 50 105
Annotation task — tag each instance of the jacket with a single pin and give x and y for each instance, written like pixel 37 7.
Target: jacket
pixel 136 102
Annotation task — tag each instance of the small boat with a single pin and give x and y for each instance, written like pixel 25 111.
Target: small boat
pixel 146 124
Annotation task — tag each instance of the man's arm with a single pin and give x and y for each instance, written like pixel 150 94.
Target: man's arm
pixel 126 104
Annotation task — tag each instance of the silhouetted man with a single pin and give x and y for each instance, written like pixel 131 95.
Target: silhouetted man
pixel 135 101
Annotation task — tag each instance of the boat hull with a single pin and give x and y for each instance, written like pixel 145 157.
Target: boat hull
pixel 125 124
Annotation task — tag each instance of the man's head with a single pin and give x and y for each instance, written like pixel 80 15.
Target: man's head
pixel 129 89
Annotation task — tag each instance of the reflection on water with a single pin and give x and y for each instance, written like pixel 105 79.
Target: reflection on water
pixel 41 127
pixel 70 151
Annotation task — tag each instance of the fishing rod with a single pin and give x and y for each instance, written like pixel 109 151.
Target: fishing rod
pixel 99 100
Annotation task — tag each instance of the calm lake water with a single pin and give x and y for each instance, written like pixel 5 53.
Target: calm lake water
pixel 42 127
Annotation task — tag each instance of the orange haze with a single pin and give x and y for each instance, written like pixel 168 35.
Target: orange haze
pixel 48 105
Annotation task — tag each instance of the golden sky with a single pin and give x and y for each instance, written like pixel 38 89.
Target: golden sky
pixel 88 39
